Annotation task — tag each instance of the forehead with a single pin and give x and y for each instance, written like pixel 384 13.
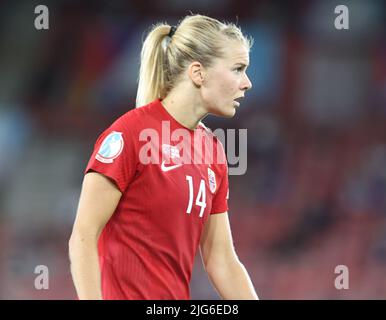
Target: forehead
pixel 236 52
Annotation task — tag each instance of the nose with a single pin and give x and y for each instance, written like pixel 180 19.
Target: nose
pixel 246 84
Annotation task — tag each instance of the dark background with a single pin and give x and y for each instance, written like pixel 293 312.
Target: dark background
pixel 314 194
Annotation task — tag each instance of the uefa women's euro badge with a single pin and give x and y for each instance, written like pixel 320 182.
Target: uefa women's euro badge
pixel 110 148
pixel 212 180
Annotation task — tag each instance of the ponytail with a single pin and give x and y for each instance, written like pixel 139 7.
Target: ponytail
pixel 152 75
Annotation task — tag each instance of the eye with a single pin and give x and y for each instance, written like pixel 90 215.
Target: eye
pixel 239 69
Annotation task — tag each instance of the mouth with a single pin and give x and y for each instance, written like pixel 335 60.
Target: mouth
pixel 236 102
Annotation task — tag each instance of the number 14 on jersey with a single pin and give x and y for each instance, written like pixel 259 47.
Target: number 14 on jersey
pixel 201 196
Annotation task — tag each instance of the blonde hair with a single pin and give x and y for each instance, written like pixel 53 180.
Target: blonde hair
pixel 163 58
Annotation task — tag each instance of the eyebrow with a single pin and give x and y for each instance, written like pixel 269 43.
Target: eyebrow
pixel 241 64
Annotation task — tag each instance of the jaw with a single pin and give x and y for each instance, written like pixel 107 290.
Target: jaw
pixel 225 113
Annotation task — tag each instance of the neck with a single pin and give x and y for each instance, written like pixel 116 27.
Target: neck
pixel 184 108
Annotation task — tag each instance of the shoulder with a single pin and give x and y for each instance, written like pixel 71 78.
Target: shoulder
pixel 127 127
pixel 210 134
pixel 135 119
pixel 215 139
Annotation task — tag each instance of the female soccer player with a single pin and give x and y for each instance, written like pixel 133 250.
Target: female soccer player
pixel 148 202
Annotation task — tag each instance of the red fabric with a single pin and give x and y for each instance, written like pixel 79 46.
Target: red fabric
pixel 147 248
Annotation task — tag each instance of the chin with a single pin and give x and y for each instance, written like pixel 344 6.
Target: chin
pixel 229 114
pixel 224 113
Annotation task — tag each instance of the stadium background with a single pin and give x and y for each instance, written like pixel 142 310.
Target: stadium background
pixel 314 195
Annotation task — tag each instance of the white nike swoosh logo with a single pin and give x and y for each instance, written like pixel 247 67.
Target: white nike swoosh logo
pixel 165 168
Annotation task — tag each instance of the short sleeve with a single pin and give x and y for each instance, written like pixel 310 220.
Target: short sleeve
pixel 114 155
pixel 220 198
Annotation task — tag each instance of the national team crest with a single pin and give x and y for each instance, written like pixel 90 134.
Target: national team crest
pixel 110 148
pixel 171 152
pixel 212 180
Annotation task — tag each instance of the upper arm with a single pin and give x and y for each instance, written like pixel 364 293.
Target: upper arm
pixel 98 199
pixel 216 241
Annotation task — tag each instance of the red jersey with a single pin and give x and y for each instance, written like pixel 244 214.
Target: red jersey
pixel 147 248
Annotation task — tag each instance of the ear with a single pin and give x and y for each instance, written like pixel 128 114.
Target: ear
pixel 196 73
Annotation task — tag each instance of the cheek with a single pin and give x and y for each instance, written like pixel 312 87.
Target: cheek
pixel 221 87
pixel 232 83
pixel 227 85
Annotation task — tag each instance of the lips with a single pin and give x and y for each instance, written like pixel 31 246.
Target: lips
pixel 237 101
